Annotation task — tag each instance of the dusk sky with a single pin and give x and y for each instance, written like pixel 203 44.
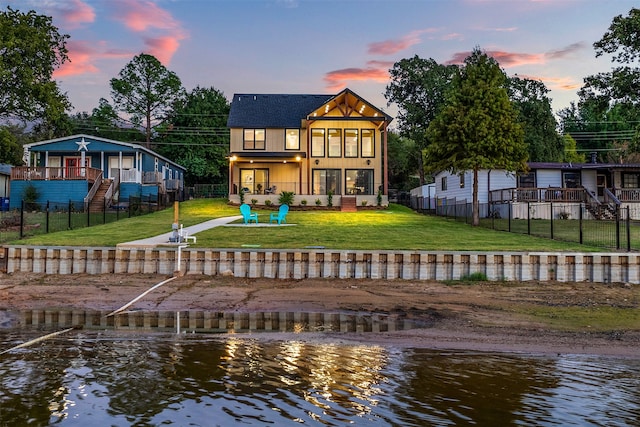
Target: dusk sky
pixel 323 46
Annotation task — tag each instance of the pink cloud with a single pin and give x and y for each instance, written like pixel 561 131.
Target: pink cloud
pixel 505 59
pixel 162 48
pixel 377 71
pixel 389 47
pixel 160 31
pixel 83 56
pixel 74 13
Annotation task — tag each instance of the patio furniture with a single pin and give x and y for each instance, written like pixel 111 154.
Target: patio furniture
pixel 270 190
pixel 247 215
pixel 280 216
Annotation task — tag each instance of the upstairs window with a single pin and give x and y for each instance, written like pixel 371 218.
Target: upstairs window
pixel 351 142
pixel 335 142
pixel 317 142
pixel 367 143
pixel 443 183
pixel 292 139
pixel 254 139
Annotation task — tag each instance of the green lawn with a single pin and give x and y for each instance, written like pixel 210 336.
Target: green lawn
pixel 395 228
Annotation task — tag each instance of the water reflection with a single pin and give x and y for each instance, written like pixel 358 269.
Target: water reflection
pixel 110 378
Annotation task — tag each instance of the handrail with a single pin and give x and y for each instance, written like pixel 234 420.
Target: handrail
pixel 610 196
pixel 93 190
pixel 115 183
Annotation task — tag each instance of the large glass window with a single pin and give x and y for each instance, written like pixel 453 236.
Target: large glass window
pixel 359 181
pixel 351 142
pixel 254 139
pixel 317 142
pixel 335 142
pixel 254 181
pixel 367 146
pixel 292 139
pixel 325 180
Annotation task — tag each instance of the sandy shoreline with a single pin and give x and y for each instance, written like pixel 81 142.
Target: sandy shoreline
pixel 477 317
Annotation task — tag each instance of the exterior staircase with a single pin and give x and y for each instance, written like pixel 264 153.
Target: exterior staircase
pixel 348 204
pixel 97 203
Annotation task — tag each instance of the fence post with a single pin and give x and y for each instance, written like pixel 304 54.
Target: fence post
pixel 509 209
pixel 529 218
pixel 617 227
pixel 628 222
pixel 88 215
pixel 551 218
pixel 46 218
pixel 580 222
pixel 104 210
pixel 69 219
pixel 22 219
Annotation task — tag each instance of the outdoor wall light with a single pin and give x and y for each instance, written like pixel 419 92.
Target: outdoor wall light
pixel 298 158
pixel 317 162
pixel 368 162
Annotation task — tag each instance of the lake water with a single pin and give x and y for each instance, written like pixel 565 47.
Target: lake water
pixel 114 378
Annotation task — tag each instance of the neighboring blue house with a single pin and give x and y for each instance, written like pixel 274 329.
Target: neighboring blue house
pixel 94 170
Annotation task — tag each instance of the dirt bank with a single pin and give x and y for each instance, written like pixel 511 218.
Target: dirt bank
pixel 478 316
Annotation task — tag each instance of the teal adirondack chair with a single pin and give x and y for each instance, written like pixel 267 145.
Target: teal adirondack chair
pixel 247 215
pixel 280 216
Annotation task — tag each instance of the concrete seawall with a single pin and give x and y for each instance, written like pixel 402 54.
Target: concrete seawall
pixel 326 263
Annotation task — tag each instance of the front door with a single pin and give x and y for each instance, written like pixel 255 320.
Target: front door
pixel 601 184
pixel 72 166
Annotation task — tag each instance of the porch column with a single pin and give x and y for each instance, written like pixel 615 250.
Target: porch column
pixel 385 173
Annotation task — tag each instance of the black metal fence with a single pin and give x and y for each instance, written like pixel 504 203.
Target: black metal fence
pixel 571 222
pixel 41 218
pixel 209 191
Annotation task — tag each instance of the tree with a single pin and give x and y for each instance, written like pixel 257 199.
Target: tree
pixel 31 49
pixel 418 88
pixel 404 164
pixel 145 90
pixel 10 149
pixel 195 135
pixel 611 100
pixel 571 154
pixel 478 127
pixel 529 98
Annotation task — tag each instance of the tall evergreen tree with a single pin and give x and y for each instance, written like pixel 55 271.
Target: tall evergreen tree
pixel 478 127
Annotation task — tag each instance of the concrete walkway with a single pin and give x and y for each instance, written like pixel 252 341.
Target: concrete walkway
pixel 163 239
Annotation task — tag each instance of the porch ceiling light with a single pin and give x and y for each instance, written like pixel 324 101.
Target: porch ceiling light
pixel 298 158
pixel 284 161
pixel 233 158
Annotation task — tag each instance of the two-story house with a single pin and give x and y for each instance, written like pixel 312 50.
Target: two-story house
pixel 311 145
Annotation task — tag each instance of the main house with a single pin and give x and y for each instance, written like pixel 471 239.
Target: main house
pixel 93 169
pixel 311 145
pixel 601 187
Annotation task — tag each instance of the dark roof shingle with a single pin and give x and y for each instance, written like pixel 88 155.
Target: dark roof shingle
pixel 272 110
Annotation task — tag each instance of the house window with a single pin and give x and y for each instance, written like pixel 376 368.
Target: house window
pixel 254 139
pixel 351 142
pixel 630 180
pixel 335 142
pixel 359 181
pixel 317 142
pixel 462 181
pixel 325 180
pixel 527 180
pixel 254 181
pixel 367 143
pixel 443 183
pixel 571 179
pixel 292 139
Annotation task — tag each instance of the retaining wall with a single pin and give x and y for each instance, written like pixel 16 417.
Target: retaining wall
pixel 325 263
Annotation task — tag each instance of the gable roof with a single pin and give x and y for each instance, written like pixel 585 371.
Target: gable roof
pixel 288 111
pixel 73 139
pixel 272 110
